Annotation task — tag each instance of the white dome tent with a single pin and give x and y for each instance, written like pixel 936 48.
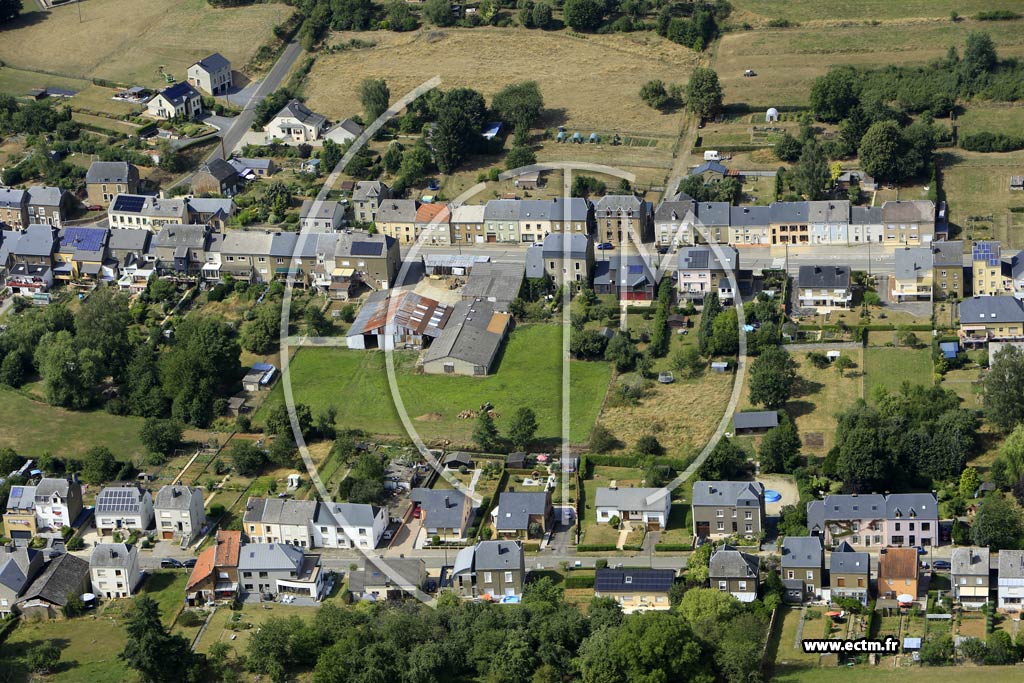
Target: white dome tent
pixel 771 115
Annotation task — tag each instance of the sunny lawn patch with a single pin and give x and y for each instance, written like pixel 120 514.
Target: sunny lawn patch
pixel 891 367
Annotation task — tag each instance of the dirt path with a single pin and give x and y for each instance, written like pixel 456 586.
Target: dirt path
pixel 681 157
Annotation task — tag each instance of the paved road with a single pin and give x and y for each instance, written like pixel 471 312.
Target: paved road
pixel 242 123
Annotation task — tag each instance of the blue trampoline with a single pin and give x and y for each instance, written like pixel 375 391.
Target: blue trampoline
pixel 771 496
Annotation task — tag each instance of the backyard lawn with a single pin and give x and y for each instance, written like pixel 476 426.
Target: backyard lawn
pixel 529 374
pixel 810 10
pixel 891 367
pixel 40 427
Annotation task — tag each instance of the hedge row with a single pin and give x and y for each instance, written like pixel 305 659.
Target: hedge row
pixel 678 464
pixel 596 548
pixel 728 148
pixel 578 581
pixel 870 328
pixel 672 547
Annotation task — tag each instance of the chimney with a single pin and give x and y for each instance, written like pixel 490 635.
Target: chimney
pixel 174 492
pixel 711 488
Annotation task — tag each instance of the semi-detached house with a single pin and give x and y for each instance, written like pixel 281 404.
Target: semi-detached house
pixel 872 520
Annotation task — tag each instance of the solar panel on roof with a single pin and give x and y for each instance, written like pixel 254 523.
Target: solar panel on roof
pixel 16 491
pixel 84 239
pixel 130 203
pixel 367 248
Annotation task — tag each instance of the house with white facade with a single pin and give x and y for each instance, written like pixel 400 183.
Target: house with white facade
pixel 58 502
pixel 824 287
pixel 211 74
pixel 296 123
pixel 647 507
pixel 180 512
pixel 1010 582
pixel 348 525
pixel 114 570
pixel 123 508
pixel 180 100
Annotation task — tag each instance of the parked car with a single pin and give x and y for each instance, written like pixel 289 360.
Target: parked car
pixel 941 565
pixel 417 512
pixel 189 563
pixel 94 207
pixel 388 535
pixel 170 563
pixel 666 377
pixel 920 550
pixel 605 245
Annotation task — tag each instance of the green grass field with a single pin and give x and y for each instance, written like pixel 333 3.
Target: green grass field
pixel 34 427
pixel 90 644
pixel 916 674
pixel 809 10
pixel 891 367
pixel 529 375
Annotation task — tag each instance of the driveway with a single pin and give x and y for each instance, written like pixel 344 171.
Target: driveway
pixel 405 538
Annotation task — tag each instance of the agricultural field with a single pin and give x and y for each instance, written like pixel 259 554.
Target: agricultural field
pixel 811 11
pixel 129 42
pixel 788 60
pixel 41 427
pixel 528 375
pixel 891 367
pixel 487 58
pixel 978 187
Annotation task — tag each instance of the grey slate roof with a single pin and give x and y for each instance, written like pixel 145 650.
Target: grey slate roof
pixel 704 258
pixel 11 198
pixel 345 514
pixel 442 508
pixel 947 253
pixel 212 205
pixel 970 561
pixel 615 204
pixel 789 212
pixel 43 195
pixel 501 210
pixel 634 580
pixel 845 560
pixel 177 235
pixel 60 576
pixel 631 498
pixel 297 110
pixel 921 505
pixel 802 551
pixel 729 563
pixel 129 239
pixel 912 211
pixel 515 508
pixel 36 240
pixel 535 262
pixel 179 93
pixel 325 210
pixel 176 497
pixel 404 572
pixel 675 210
pixel 280 511
pixel 14 567
pixel 554 245
pixel 713 214
pixel 269 557
pixel 824 277
pixel 912 261
pixel 749 216
pixel 829 211
pixel 610 273
pixel 498 556
pixel 213 63
pixel 731 493
pixel 111 555
pixel 1011 564
pixel 990 309
pixel 108 172
pixel 755 419
pixel 712 166
pixel 396 211
pixel 48 486
pixel 865 215
pixel 367 189
pixel 843 507
pixel 219 169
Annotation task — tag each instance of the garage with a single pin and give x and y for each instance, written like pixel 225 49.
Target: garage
pixel 653 523
pixel 167 535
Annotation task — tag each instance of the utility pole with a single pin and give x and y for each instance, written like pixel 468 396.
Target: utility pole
pixel 79 3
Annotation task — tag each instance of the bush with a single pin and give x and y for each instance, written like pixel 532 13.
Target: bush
pixel 992 142
pixel 595 548
pixel 578 581
pixel 190 618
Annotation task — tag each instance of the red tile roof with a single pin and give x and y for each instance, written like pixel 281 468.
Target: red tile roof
pixel 229 544
pixel 203 568
pixel 898 563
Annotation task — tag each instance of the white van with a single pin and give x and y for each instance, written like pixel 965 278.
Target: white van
pixel 711 155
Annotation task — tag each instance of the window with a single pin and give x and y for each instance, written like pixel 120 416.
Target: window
pixel 487 577
pixel 790 574
pixel 748 515
pixel 810 575
pixel 978 581
pixel 721 526
pixel 841 582
pixel 743 585
pixel 897 526
pixel 263 575
pixel 508 577
pixel 719 513
pixel 723 585
pixel 246 575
